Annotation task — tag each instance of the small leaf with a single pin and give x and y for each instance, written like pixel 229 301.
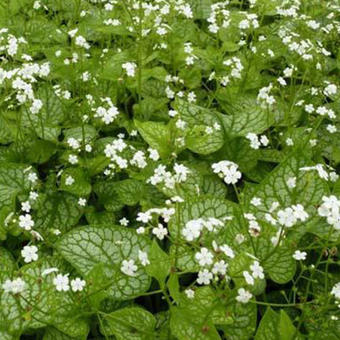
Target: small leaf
pixel 132 323
pixel 80 187
pixel 267 329
pixel 184 328
pixel 160 263
pixel 246 115
pixel 198 119
pixel 157 135
pixel 13 181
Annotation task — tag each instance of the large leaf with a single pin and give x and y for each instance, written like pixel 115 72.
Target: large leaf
pixel 40 304
pixel 85 247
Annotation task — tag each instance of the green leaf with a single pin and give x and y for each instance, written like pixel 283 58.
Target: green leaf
pixel 54 334
pixel 132 323
pixel 129 191
pixel 157 135
pixel 246 115
pixel 160 263
pixel 40 303
pixel 7 264
pixel 13 181
pixel 309 187
pixel 200 8
pixel 267 329
pixel 46 123
pixel 287 330
pixel 243 323
pixel 277 262
pixel 184 328
pixel 194 208
pixel 58 210
pixel 81 185
pixel 276 326
pixel 87 246
pixel 86 133
pixel 198 119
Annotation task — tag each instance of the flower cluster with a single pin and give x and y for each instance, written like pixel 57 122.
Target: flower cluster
pixel 228 171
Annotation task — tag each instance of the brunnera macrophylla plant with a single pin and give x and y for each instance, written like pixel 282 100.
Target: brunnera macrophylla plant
pixel 168 169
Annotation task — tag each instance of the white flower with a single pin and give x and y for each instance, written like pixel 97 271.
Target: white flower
pixel 286 217
pixel 299 255
pixel 330 89
pixel 254 140
pixel 330 208
pixel 130 69
pixel 299 212
pixel 256 201
pixel 33 195
pixel 153 154
pixel 77 284
pixel 257 270
pixel 192 229
pixel 61 283
pixel 36 4
pixel 189 293
pixel 26 222
pixel 181 124
pixel 26 206
pixel 49 271
pixel 227 251
pixel 336 290
pixel 16 286
pixel 69 180
pixel 143 258
pixel 73 143
pixel 228 170
pixel 144 217
pixel 160 231
pixel 128 267
pixel 243 295
pixel 331 128
pixel 82 201
pixel 249 279
pixel 29 253
pixel 204 277
pixel 220 268
pixel 32 177
pixel 138 160
pixel 124 221
pixel 181 172
pixel 73 159
pixel 289 142
pixel 204 257
pixel 140 230
pixel 291 182
pixel 81 41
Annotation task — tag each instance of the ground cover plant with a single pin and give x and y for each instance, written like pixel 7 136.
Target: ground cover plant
pixel 168 169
